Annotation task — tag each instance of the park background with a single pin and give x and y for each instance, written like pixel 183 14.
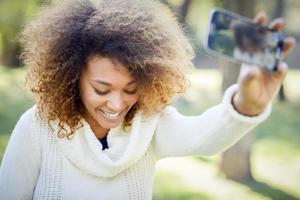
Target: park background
pixel 263 165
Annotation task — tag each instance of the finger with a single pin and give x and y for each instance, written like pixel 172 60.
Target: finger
pixel 288 44
pixel 248 73
pixel 260 18
pixel 282 71
pixel 282 68
pixel 277 24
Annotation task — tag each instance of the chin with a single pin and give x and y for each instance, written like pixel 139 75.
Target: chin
pixel 108 125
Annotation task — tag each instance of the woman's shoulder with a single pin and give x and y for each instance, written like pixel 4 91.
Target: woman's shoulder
pixel 27 123
pixel 166 114
pixel 166 111
pixel 31 117
pixel 30 114
pixel 30 123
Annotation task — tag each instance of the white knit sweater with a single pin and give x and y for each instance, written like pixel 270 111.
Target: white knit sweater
pixel 38 165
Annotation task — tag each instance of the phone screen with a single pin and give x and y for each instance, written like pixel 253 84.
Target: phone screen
pixel 238 38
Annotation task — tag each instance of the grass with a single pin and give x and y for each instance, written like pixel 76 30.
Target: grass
pixel 275 152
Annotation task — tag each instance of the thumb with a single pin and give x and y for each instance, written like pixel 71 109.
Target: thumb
pixel 248 73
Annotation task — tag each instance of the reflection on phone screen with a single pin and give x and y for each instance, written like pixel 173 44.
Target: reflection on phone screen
pixel 243 41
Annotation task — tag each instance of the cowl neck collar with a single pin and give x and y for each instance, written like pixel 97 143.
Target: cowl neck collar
pixel 125 148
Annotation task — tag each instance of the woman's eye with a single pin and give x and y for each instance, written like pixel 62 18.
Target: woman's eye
pixel 131 91
pixel 101 92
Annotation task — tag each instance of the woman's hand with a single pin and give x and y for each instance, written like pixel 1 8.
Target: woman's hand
pixel 256 86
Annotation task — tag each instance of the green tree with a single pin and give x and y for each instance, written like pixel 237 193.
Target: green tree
pixel 13 15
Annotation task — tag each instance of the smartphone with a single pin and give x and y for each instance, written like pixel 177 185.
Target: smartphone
pixel 239 39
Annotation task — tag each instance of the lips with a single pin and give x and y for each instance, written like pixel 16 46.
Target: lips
pixel 110 115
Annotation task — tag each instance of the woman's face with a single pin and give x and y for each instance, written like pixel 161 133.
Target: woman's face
pixel 107 91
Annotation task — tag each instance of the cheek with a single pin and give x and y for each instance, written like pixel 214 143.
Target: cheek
pixel 91 99
pixel 133 99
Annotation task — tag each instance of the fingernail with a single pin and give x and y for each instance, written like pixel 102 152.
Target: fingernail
pixel 283 67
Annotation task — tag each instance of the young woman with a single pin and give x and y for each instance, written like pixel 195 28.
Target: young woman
pixel 103 76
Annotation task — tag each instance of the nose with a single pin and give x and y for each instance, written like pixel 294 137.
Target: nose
pixel 115 102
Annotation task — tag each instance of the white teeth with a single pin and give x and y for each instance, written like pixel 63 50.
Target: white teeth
pixel 110 115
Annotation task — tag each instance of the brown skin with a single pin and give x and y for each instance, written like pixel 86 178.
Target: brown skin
pixel 106 86
pixel 256 86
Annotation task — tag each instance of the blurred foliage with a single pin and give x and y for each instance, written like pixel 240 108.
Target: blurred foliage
pixel 13 98
pixel 13 15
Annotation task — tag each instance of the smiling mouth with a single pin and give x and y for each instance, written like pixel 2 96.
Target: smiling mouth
pixel 110 115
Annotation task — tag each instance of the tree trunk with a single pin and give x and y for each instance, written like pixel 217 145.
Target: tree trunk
pixel 235 162
pixel 183 10
pixel 10 54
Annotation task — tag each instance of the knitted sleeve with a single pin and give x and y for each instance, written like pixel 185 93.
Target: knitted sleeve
pixel 21 162
pixel 209 133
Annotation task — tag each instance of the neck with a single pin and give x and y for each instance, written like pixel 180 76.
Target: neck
pixel 98 130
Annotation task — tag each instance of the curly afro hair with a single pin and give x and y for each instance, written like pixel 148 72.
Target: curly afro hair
pixel 143 35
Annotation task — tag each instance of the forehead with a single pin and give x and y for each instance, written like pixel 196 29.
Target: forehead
pixel 106 69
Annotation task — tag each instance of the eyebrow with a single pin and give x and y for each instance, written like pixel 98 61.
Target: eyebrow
pixel 108 84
